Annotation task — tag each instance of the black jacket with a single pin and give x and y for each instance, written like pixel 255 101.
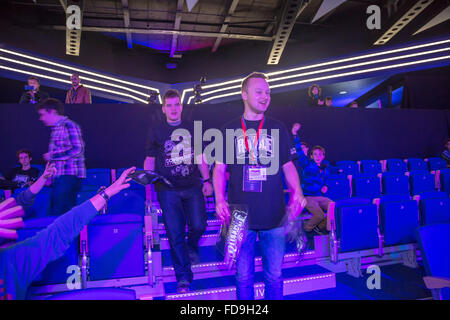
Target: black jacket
pixel 38 97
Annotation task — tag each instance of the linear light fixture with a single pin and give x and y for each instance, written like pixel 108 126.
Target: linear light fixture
pixel 333 69
pixel 67 81
pixel 337 75
pixel 68 74
pixel 185 91
pixel 82 71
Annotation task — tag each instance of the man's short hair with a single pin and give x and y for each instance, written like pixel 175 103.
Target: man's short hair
pixel 318 148
pixel 304 144
pixel 51 104
pixel 171 93
pixel 253 75
pixel 329 98
pixel 28 152
pixel 34 78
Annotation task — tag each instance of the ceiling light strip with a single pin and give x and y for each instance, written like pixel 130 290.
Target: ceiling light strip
pixel 327 63
pixel 67 81
pixel 336 68
pixel 338 75
pixel 68 74
pixel 78 70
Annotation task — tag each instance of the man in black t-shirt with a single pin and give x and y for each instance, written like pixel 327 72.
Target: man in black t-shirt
pixel 259 152
pixel 170 153
pixel 24 175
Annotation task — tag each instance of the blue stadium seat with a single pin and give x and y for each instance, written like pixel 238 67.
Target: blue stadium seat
pixel 338 187
pixel 436 164
pixel 398 221
pixel 115 244
pixel 421 182
pixel 96 294
pixel 131 200
pixel 366 186
pixel 395 184
pixel 97 177
pixel 434 211
pixel 396 165
pixel 41 204
pixel 394 198
pixel 417 164
pixel 434 244
pixel 444 179
pixel 371 166
pixel 86 193
pixel 348 167
pixel 432 195
pixel 56 271
pixel 357 227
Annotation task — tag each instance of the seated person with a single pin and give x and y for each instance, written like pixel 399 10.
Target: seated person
pixel 35 95
pixel 320 102
pixel 446 153
pixel 22 262
pixel 328 101
pixel 24 175
pixel 354 104
pixel 315 171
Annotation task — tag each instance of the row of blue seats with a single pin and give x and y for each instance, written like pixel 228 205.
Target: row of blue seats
pixel 360 224
pixel 391 165
pixel 364 185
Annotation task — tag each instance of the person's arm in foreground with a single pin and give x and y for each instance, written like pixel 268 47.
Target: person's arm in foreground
pixel 296 199
pixel 219 183
pixel 32 255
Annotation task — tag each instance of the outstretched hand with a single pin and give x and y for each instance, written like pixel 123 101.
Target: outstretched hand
pixel 295 128
pixel 121 183
pixel 50 170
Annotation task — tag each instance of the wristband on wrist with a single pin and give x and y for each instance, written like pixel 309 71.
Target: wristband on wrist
pixel 104 195
pixel 207 180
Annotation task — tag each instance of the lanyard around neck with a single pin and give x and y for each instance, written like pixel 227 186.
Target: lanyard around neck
pixel 244 129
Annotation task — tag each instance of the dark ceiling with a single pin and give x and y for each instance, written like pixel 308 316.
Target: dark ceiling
pixel 214 35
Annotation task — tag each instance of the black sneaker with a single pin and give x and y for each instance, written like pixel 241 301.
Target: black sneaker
pixel 182 287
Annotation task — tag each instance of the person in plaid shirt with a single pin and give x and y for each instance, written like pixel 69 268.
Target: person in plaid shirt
pixel 66 150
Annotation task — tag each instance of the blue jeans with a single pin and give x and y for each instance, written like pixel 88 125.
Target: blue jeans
pixel 179 208
pixel 272 244
pixel 63 194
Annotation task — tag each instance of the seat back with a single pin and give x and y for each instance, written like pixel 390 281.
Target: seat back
pixel 421 182
pixel 394 197
pixel 97 177
pixel 348 167
pixel 371 166
pixel 395 184
pixel 115 246
pixel 396 165
pixel 444 178
pixel 366 186
pixel 96 294
pixel 436 164
pixel 434 245
pixel 338 187
pixel 56 271
pixel 357 227
pixel 398 221
pixel 417 164
pixel 434 211
pixel 131 200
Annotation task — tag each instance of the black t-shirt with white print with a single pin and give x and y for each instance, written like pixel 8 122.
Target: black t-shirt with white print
pixel 22 177
pixel 162 148
pixel 276 148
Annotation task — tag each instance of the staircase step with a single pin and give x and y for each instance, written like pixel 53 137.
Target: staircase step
pixel 296 280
